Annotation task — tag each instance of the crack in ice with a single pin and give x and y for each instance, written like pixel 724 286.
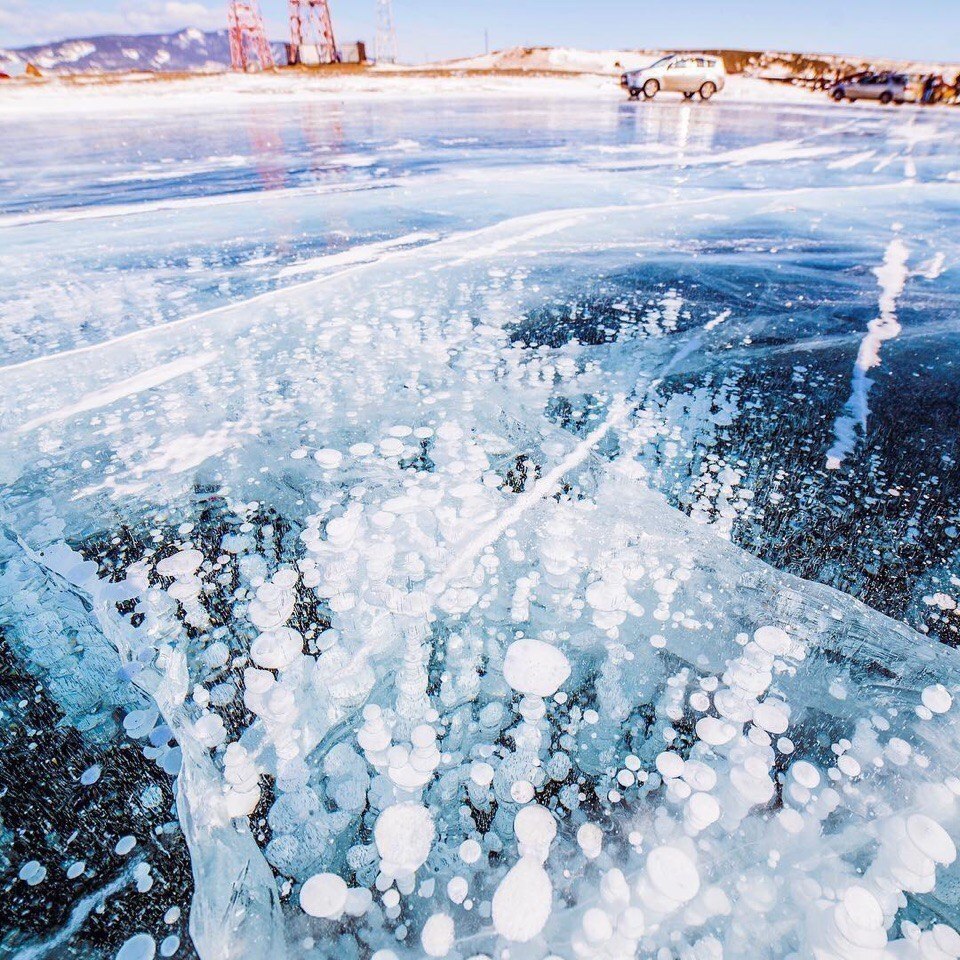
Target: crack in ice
pixel 892 276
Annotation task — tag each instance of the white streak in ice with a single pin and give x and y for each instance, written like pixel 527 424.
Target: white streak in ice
pixel 934 267
pixel 891 275
pixel 146 380
pixel 546 486
pixel 78 915
pixel 717 320
pixel 363 253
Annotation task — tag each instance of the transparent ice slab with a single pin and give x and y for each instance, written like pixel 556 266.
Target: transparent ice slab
pixel 385 542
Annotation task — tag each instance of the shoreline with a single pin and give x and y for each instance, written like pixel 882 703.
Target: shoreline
pixel 163 93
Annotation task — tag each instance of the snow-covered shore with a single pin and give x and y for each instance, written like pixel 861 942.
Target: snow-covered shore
pixel 521 72
pixel 146 93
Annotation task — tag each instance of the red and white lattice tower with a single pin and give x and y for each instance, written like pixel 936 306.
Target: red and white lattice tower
pixel 311 33
pixel 248 36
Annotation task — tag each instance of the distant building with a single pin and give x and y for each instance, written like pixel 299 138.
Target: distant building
pixel 354 52
pixel 310 56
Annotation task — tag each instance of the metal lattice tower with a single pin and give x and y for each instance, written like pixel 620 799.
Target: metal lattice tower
pixel 248 36
pixel 385 50
pixel 311 32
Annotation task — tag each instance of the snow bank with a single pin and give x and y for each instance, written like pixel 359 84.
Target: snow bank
pixel 149 95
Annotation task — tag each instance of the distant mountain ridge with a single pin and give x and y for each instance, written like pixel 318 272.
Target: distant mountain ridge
pixel 187 50
pixel 196 51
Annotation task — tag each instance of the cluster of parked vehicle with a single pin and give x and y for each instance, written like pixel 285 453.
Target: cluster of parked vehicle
pixel 698 74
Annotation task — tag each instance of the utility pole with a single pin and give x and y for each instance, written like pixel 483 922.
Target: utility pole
pixel 385 48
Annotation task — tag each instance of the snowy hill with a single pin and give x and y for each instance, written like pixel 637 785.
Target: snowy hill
pixel 188 50
pixel 553 60
pixel 193 50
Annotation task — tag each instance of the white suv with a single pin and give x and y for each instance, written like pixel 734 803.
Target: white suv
pixel 686 73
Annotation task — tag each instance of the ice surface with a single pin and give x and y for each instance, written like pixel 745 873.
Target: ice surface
pixel 387 569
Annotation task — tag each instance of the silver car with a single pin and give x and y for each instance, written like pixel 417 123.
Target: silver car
pixel 884 87
pixel 686 73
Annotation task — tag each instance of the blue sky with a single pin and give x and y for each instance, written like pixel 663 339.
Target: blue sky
pixel 431 29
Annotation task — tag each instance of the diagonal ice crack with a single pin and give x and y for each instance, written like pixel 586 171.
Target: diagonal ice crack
pixel 473 546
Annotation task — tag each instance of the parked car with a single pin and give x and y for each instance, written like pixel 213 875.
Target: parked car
pixel 686 73
pixel 885 87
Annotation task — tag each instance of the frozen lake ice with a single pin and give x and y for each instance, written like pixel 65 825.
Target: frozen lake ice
pixel 478 526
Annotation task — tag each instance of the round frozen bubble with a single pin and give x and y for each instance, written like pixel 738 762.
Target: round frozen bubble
pixel 404 835
pixel 704 809
pixel 791 820
pixel 714 731
pixel 457 889
pixel 862 907
pixel 673 873
pixel 91 775
pixel 359 901
pixel 169 946
pixel 391 447
pixel 590 839
pixel 848 765
pixel 699 701
pixel 772 716
pixel 276 649
pixel 699 775
pixel 597 927
pixel 936 698
pixel 438 935
pixel 32 873
pixel 535 829
pixel 323 895
pixel 772 639
pixel 140 946
pixel 481 773
pixel 534 667
pixel 470 851
pixel 328 458
pixel 930 838
pixel 806 774
pixel 947 939
pixel 523 901
pixel 182 564
pixel 521 791
pixel 670 764
pixel 125 845
pixel 614 888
